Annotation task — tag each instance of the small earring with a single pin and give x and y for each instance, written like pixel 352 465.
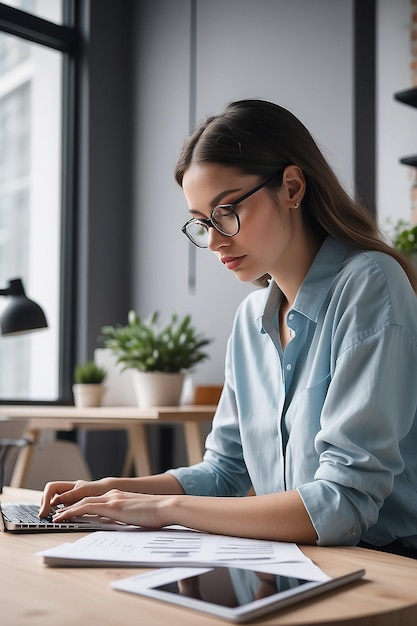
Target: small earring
pixel 297 204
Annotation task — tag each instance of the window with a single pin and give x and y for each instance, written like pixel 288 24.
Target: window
pixel 34 60
pixel 47 9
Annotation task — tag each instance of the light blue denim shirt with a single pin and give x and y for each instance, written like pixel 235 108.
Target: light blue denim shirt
pixel 334 414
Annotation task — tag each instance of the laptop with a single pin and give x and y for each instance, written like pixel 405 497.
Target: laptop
pixel 24 517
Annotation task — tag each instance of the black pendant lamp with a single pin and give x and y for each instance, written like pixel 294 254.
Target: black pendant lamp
pixel 22 315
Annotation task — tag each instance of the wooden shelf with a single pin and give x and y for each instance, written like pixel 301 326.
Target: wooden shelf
pixel 408 96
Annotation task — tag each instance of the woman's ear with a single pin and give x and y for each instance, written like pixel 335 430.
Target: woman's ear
pixel 294 183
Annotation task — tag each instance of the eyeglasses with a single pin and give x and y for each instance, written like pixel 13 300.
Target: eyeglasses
pixel 223 218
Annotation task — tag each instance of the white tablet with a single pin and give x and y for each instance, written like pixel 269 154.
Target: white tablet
pixel 237 595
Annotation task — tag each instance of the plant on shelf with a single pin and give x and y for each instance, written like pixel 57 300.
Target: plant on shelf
pixel 405 237
pixel 89 373
pixel 88 385
pixel 145 346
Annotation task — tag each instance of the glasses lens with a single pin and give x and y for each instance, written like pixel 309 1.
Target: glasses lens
pixel 198 233
pixel 225 220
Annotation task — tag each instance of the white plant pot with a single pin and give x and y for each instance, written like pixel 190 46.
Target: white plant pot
pixel 119 384
pixel 157 388
pixel 87 394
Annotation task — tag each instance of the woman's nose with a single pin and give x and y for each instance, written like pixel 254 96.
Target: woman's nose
pixel 216 239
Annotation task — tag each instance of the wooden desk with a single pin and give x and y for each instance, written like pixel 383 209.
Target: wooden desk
pixel 132 419
pixel 37 595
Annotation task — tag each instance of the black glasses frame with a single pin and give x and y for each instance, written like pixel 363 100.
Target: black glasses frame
pixel 208 223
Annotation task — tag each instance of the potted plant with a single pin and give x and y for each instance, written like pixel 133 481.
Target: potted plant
pixel 88 385
pixel 158 355
pixel 404 239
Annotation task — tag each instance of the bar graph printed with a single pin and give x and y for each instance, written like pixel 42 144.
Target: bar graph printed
pixel 189 544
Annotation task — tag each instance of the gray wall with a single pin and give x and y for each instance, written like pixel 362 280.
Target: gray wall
pixel 104 176
pixel 103 285
pixel 152 71
pixel 298 54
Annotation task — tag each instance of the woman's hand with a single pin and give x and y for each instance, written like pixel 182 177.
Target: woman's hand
pixel 69 492
pixel 150 511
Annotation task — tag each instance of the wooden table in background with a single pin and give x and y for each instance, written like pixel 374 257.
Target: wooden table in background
pixel 131 419
pixel 33 594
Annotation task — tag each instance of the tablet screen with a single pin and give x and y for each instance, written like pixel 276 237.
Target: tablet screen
pixel 231 587
pixel 231 593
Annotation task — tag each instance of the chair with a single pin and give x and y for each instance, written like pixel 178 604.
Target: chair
pixel 49 459
pixel 11 440
pixel 56 460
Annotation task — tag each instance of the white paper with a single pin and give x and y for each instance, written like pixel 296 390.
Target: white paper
pixel 172 547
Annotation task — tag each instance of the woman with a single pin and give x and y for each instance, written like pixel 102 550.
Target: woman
pixel 319 401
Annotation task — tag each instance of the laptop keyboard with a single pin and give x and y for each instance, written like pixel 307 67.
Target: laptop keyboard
pixel 25 513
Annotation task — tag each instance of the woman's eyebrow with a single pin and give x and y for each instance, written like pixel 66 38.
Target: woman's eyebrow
pixel 221 195
pixel 216 200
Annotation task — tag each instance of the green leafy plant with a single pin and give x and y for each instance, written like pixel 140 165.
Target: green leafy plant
pixel 89 373
pixel 146 346
pixel 405 237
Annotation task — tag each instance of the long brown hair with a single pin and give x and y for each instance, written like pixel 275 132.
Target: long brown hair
pixel 257 138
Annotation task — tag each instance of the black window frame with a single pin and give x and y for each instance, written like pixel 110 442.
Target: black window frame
pixel 64 38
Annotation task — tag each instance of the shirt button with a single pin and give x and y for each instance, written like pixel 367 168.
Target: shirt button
pixel 292 333
pixel 289 366
pixel 291 316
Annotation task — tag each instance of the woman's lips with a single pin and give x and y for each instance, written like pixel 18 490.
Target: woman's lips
pixel 232 262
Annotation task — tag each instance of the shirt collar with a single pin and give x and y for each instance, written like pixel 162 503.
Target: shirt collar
pixel 320 277
pixel 314 289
